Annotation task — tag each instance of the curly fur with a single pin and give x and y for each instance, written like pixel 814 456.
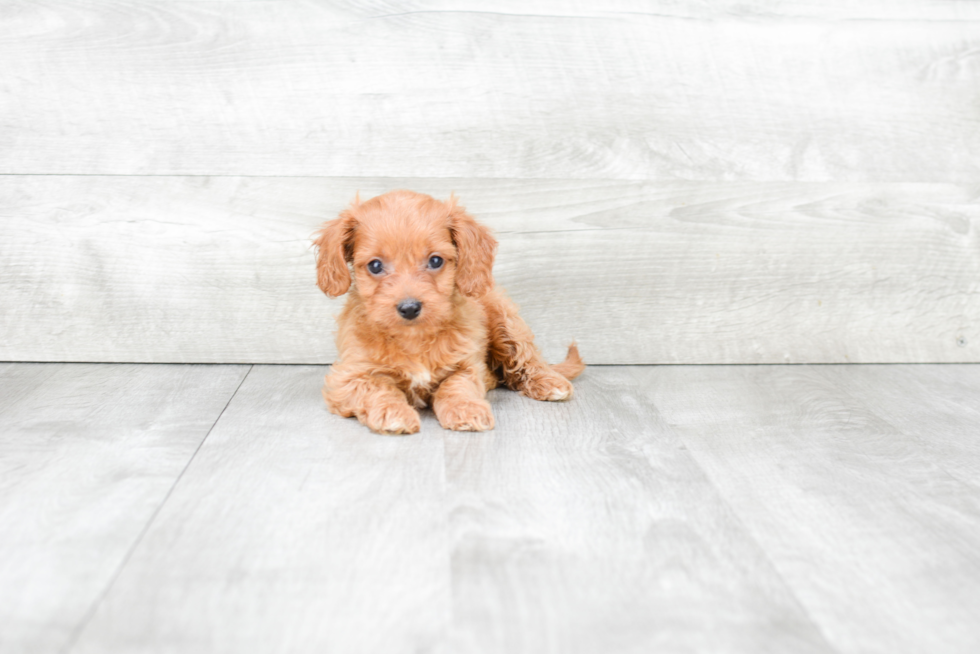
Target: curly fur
pixel 467 339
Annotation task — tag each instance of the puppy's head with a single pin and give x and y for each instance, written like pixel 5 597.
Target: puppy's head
pixel 409 253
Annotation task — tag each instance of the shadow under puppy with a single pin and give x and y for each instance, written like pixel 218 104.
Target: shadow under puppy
pixel 424 323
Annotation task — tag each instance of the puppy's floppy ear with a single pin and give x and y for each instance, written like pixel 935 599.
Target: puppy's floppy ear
pixel 334 242
pixel 475 247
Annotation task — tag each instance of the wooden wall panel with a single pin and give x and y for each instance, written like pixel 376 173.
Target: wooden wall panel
pixel 219 269
pixel 735 182
pixel 753 90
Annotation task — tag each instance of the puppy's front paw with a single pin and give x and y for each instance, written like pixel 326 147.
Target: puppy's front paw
pixel 466 415
pixel 394 418
pixel 547 386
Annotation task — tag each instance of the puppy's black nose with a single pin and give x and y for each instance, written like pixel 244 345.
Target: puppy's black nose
pixel 409 309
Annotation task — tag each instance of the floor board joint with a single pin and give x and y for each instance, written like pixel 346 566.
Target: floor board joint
pixel 80 628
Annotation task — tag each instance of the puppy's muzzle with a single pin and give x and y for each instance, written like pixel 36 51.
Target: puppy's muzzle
pixel 409 309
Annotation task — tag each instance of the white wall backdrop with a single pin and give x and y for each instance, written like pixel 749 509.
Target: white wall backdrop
pixel 670 182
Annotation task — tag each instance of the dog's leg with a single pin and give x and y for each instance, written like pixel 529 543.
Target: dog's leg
pixel 373 399
pixel 514 354
pixel 459 403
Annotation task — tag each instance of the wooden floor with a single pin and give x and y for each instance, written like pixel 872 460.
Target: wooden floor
pixel 742 182
pixel 220 508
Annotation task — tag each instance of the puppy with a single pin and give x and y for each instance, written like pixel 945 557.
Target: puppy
pixel 424 323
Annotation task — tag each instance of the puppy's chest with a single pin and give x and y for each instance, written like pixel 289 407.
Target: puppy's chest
pixel 420 381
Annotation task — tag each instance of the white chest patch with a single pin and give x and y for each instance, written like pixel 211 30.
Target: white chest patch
pixel 420 379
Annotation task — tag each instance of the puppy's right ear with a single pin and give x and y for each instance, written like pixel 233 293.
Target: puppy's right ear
pixel 334 242
pixel 475 247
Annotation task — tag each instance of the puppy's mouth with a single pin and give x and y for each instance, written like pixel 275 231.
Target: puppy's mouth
pixel 409 309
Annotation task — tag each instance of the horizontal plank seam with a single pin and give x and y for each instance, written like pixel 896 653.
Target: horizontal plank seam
pixel 70 645
pixel 729 17
pixel 591 365
pixel 522 178
pixel 631 180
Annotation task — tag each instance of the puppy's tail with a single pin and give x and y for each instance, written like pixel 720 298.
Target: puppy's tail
pixel 572 366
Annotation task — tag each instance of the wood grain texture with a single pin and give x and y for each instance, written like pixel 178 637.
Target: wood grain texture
pixel 860 505
pixel 754 90
pixel 565 529
pixel 711 508
pixel 588 527
pixel 292 531
pixel 87 455
pixel 214 269
pixel 936 406
pixel 957 384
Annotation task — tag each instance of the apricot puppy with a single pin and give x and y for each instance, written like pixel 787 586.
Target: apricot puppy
pixel 424 323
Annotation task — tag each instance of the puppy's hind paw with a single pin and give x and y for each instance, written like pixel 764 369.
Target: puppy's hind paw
pixel 547 386
pixel 471 415
pixel 393 419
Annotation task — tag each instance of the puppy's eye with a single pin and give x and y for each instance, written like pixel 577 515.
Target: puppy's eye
pixel 375 266
pixel 435 262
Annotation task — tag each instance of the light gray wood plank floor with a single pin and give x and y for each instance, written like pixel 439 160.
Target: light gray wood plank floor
pixel 842 475
pixel 88 452
pixel 724 508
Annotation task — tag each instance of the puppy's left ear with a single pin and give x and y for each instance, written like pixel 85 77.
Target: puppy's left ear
pixel 475 248
pixel 334 242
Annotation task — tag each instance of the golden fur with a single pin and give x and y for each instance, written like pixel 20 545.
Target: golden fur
pixel 467 339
